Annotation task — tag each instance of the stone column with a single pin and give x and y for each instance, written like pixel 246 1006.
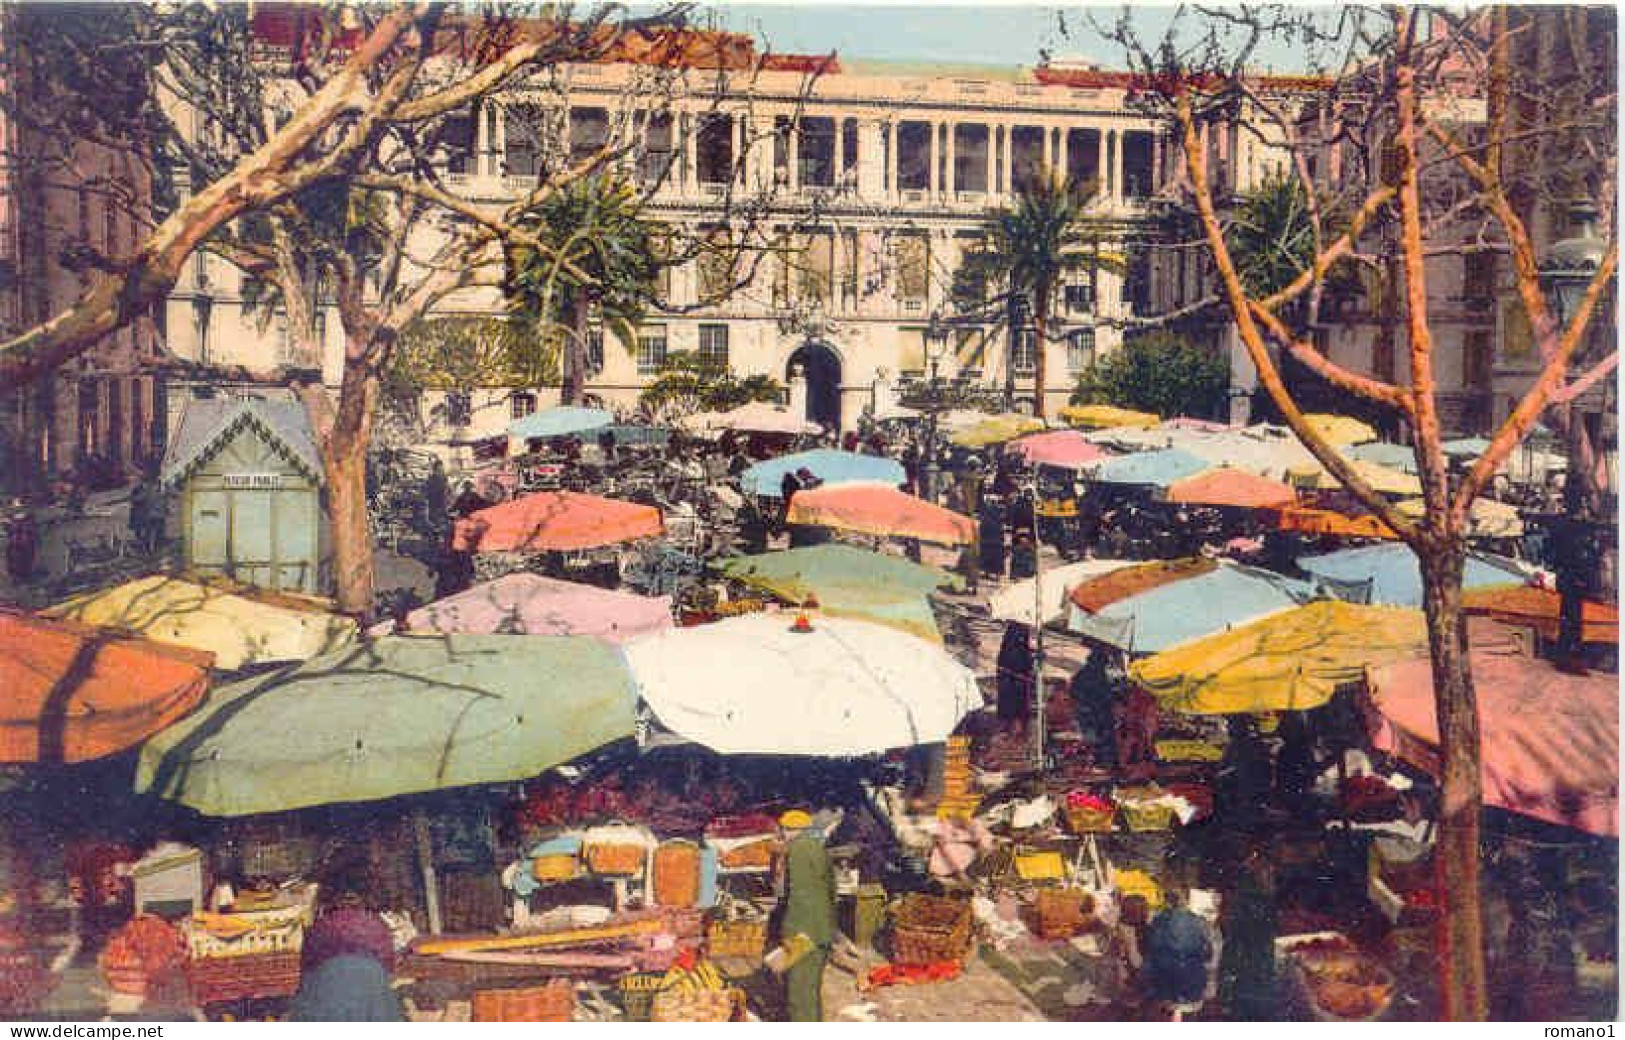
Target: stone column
pixel 890 130
pixel 932 181
pixel 1156 163
pixel 736 135
pixel 1117 168
pixel 793 157
pixel 1102 172
pixel 798 392
pixel 1049 154
pixel 1007 159
pixel 691 165
pixel 840 150
pixel 992 163
pixel 950 171
pixel 1061 152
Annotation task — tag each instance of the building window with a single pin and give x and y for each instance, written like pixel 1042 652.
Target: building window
pixel 815 152
pixel 1080 298
pixel 715 267
pixel 459 408
pixel 1478 361
pixel 1080 350
pixel 589 132
pixel 714 346
pixel 849 151
pixel 1478 277
pixel 651 349
pixel 714 149
pixel 971 145
pixel 595 351
pixel 658 151
pixel 913 156
pixel 913 258
pixel 1024 358
pixel 521 405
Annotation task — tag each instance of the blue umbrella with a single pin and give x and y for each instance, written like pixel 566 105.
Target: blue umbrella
pixel 827 464
pixel 1395 456
pixel 1152 468
pixel 1389 574
pixel 1466 447
pixel 1194 608
pixel 562 421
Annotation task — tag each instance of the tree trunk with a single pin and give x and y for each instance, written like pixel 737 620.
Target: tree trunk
pixel 1456 857
pixel 1040 343
pixel 573 361
pixel 1012 322
pixel 345 454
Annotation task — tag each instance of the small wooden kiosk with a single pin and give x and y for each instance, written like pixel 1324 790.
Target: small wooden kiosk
pixel 250 476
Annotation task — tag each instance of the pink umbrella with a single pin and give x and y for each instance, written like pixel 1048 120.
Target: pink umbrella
pixel 1550 739
pixel 529 604
pixel 1064 449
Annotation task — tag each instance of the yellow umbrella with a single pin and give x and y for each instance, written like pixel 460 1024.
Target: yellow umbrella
pixel 996 429
pixel 1488 518
pixel 1341 430
pixel 1384 479
pixel 1107 417
pixel 239 629
pixel 1291 661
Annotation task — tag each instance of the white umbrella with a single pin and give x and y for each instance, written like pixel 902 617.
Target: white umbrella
pixel 755 417
pixel 1015 602
pixel 751 685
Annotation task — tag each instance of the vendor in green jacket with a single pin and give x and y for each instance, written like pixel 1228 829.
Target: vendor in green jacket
pixel 809 910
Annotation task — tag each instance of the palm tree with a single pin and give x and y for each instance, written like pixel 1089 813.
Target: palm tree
pixel 594 255
pixel 1030 248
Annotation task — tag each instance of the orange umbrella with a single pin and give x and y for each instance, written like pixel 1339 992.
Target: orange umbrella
pixel 1326 521
pixel 1231 487
pixel 1540 609
pixel 555 521
pixel 1098 593
pixel 879 509
pixel 74 693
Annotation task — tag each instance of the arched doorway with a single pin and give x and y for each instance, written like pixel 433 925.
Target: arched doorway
pixel 821 367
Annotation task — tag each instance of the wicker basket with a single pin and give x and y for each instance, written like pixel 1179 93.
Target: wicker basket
pixel 1090 821
pixel 638 992
pixel 554 867
pixel 737 939
pixel 928 929
pixel 616 859
pixel 1062 912
pixel 753 855
pixel 553 1002
pixel 1148 817
pixel 703 1005
pixel 677 874
pixel 216 980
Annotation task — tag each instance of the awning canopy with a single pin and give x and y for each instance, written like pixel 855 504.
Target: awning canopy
pixel 1183 608
pixel 1062 449
pixel 71 693
pixel 881 510
pixel 1292 661
pixel 560 421
pixel 848 582
pixel 1231 488
pixel 751 685
pixel 1340 429
pixel 532 605
pixel 238 629
pixel 555 521
pixel 1395 456
pixel 1390 574
pixel 1540 609
pixel 1309 520
pixel 1149 468
pixel 1016 601
pixel 1549 740
pixel 1105 416
pixel 398 715
pixel 827 464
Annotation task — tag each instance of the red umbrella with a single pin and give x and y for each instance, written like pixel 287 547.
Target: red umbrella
pixel 1231 487
pixel 1063 449
pixel 555 521
pixel 879 509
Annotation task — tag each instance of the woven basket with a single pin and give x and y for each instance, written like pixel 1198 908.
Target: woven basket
pixel 1090 821
pixel 616 859
pixel 216 980
pixel 553 1002
pixel 638 992
pixel 754 855
pixel 704 1005
pixel 737 939
pixel 555 867
pixel 928 929
pixel 1062 912
pixel 677 874
pixel 1148 817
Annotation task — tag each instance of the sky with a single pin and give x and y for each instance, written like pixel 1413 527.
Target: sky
pixel 992 32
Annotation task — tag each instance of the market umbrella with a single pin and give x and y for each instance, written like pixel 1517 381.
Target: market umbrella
pixel 1185 422
pixel 1291 661
pixel 71 693
pixel 529 604
pixel 1340 429
pixel 1531 606
pixel 1062 449
pixel 753 417
pixel 1105 416
pixel 755 685
pixel 1395 456
pixel 1311 520
pixel 555 521
pixel 1263 450
pixel 559 421
pixel 239 626
pixel 827 464
pixel 995 429
pixel 848 582
pixel 1389 573
pixel 1148 468
pixel 395 716
pixel 881 510
pixel 1015 602
pixel 631 433
pixel 1164 606
pixel 1234 488
pixel 1487 518
pixel 1549 740
pixel 1466 447
pixel 1382 479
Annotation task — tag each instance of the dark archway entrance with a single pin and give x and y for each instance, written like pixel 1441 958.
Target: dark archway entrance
pixel 821 367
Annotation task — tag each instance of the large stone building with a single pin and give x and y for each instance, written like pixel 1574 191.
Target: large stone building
pixel 66 203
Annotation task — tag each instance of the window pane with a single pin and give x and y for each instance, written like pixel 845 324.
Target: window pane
pixel 716 267
pixel 714 345
pixel 715 149
pixel 651 350
pixel 913 156
pixel 913 255
pixel 816 152
pixel 1026 353
pixel 1080 350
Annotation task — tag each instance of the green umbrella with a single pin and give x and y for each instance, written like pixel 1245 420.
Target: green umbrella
pixel 849 582
pixel 399 715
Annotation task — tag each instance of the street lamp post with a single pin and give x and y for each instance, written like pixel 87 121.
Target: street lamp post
pixel 936 344
pixel 1567 271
